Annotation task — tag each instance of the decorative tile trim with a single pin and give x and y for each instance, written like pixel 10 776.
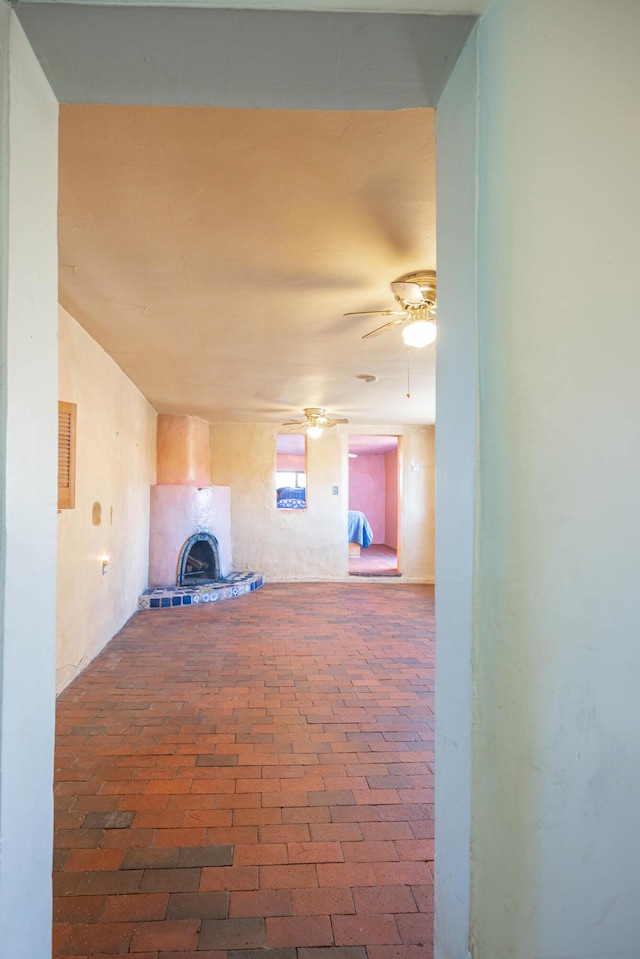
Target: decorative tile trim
pixel 165 597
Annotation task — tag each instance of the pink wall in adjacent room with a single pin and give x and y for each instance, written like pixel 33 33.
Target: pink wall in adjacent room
pixel 367 491
pixel 391 499
pixel 291 461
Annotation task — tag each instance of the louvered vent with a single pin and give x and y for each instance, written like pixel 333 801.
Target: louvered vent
pixel 66 455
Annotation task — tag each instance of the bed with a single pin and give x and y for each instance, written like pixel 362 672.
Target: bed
pixel 360 532
pixel 291 497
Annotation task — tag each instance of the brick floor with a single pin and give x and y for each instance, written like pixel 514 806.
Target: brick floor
pixel 252 780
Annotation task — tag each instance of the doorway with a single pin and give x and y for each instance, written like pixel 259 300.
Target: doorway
pixel 290 86
pixel 375 525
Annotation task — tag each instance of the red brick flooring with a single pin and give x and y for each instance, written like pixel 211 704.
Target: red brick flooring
pixel 252 780
pixel 375 560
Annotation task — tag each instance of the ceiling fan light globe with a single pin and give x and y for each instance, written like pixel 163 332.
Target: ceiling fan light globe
pixel 313 432
pixel 419 333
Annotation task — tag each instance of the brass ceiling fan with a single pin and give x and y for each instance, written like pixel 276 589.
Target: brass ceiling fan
pixel 416 294
pixel 315 421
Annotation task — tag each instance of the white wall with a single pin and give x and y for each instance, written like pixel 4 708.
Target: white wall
pixel 115 466
pixel 555 864
pixel 311 544
pixel 28 454
pixel 456 401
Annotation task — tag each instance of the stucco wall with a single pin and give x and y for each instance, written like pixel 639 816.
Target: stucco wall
pixel 391 499
pixel 417 534
pixel 311 544
pixel 115 466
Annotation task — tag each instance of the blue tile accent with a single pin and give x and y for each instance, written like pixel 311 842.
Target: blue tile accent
pixel 235 584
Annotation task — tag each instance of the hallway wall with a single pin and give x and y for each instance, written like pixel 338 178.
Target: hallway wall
pixel 555 541
pixel 28 460
pixel 115 467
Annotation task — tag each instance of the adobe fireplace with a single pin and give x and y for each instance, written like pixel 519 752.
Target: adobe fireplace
pixel 190 520
pixel 189 524
pixel 199 561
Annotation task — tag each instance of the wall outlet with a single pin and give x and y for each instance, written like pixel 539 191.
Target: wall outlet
pixel 334 490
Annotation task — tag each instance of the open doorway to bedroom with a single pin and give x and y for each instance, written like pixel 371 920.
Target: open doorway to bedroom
pixel 374 506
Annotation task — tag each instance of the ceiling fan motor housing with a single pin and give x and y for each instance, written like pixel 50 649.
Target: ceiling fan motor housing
pixel 415 290
pixel 316 415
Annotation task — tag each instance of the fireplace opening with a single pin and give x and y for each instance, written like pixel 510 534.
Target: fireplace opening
pixel 199 561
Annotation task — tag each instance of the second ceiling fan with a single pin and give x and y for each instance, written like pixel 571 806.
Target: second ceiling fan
pixel 315 421
pixel 416 294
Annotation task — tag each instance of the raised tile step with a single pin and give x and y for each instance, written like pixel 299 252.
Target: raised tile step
pixel 235 584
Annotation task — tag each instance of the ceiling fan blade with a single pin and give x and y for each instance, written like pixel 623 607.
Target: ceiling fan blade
pixel 334 422
pixel 408 292
pixel 294 422
pixel 375 313
pixel 386 326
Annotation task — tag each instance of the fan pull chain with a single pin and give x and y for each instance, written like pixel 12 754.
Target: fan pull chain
pixel 408 374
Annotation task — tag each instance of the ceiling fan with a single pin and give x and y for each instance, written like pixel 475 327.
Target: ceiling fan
pixel 416 294
pixel 315 421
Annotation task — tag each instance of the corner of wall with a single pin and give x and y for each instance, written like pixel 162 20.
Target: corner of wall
pixel 456 441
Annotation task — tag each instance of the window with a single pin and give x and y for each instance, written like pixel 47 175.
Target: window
pixel 291 471
pixel 66 455
pixel 296 479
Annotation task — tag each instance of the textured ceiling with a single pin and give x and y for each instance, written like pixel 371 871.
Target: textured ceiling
pixel 232 181
pixel 212 252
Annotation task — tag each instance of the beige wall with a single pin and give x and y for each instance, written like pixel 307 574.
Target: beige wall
pixel 417 534
pixel 311 544
pixel 391 499
pixel 115 466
